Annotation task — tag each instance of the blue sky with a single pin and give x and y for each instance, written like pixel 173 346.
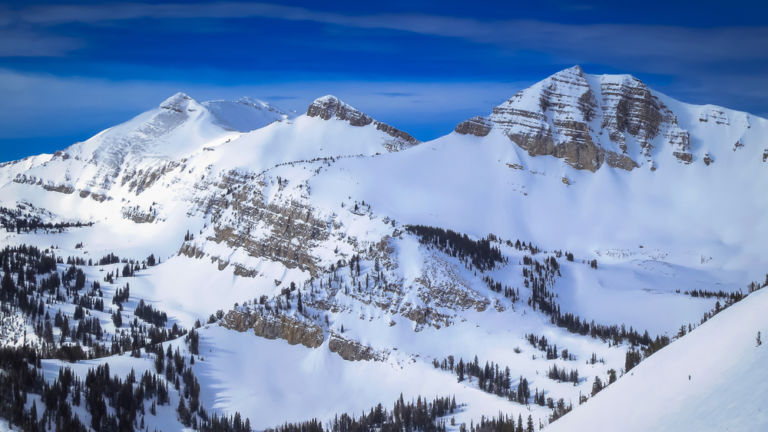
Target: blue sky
pixel 68 70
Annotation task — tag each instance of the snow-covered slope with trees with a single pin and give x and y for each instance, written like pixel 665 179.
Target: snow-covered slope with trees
pixel 584 225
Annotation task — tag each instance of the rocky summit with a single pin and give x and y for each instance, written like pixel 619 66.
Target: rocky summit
pixel 588 121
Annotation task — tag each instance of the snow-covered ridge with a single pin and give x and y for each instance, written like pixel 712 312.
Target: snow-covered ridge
pixel 246 114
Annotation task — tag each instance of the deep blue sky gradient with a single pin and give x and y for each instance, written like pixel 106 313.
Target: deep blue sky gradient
pixel 70 70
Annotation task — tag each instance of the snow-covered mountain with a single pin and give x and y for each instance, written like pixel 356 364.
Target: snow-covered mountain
pixel 581 227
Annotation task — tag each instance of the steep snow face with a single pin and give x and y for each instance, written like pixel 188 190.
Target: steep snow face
pixel 179 126
pixel 696 215
pixel 245 114
pixel 592 120
pixel 713 379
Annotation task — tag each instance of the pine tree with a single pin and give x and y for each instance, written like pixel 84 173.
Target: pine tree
pixel 300 304
pixel 597 386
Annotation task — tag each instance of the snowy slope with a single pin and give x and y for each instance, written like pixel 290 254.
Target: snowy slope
pixel 245 114
pixel 713 379
pixel 489 185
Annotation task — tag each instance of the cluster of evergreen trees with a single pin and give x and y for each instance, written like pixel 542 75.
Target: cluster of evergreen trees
pixel 121 295
pixel 478 254
pixel 73 274
pixel 150 315
pixel 732 296
pixel 421 415
pixel 503 423
pixel 511 293
pixel 58 398
pixel 17 220
pixel 561 375
pixel 542 344
pixel 31 284
pixel 492 379
pixel 113 403
pixel 521 246
pixel 109 258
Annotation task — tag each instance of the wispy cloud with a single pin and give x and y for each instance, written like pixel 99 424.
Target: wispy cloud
pixel 581 42
pixel 21 43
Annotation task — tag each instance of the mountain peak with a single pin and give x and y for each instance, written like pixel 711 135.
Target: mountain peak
pixel 329 106
pixel 587 120
pixel 179 102
pixel 573 70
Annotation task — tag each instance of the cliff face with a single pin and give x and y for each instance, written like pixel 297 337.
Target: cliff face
pixel 276 326
pixel 587 121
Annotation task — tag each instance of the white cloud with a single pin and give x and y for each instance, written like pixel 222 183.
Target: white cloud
pixel 575 42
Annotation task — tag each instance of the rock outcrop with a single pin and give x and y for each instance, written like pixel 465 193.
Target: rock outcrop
pixel 352 350
pixel 275 326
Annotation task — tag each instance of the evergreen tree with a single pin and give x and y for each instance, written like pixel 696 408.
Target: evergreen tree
pixel 597 385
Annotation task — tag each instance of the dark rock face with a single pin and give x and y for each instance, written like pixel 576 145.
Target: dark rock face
pixel 616 160
pixel 585 120
pixel 291 329
pixel 478 126
pixel 683 157
pixel 290 228
pixel 328 107
pixel 351 350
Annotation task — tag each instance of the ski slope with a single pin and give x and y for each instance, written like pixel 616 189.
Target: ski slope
pixel 713 379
